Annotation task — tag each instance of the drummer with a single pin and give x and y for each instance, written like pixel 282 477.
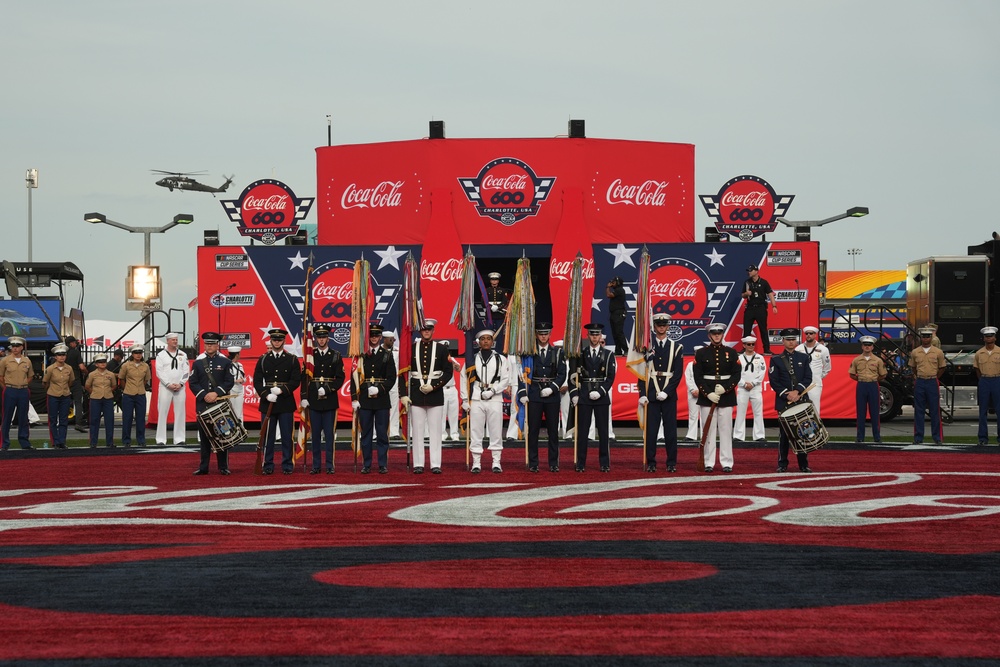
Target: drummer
pixel 790 376
pixel 211 378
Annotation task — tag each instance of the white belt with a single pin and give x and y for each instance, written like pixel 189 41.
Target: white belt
pixel 719 377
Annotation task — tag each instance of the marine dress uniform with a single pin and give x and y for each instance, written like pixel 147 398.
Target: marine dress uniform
pixel 658 393
pixel 987 365
pixel 789 372
pixel 16 373
pixel 373 375
pixel 421 389
pixel 542 396
pixel 867 369
pixel 716 372
pixel 58 380
pixel 321 395
pixel 212 379
pixel 591 393
pixel 136 377
pixel 275 377
pixel 928 363
pixel 101 385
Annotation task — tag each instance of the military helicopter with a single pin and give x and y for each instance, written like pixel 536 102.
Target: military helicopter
pixel 181 181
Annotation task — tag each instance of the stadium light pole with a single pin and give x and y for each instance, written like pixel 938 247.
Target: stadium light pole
pixel 30 182
pixel 802 227
pixel 854 252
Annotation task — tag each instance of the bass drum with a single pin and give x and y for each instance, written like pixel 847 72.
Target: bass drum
pixel 803 428
pixel 223 428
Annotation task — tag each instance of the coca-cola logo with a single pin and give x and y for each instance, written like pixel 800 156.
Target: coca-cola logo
pixel 507 190
pixel 387 194
pixel 330 296
pixel 267 210
pixel 746 207
pixel 563 269
pixel 446 271
pixel 648 193
pixel 681 289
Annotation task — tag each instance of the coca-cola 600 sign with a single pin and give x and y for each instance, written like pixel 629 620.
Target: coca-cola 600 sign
pixel 268 211
pixel 507 190
pixel 746 207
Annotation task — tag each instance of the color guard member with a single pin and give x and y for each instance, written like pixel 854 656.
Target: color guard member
pixel 135 378
pixel 591 394
pixel 658 393
pixel 321 397
pixel 239 379
pixel 928 364
pixel 790 375
pixel 389 343
pixel 275 377
pixel 487 379
pixel 212 380
pixel 716 372
pixel 987 365
pixel 57 381
pixel 101 385
pixel 819 362
pixel 16 373
pixel 370 399
pixel 750 391
pixel 868 370
pixel 758 293
pixel 172 373
pixel 694 412
pixel 542 397
pixel 421 388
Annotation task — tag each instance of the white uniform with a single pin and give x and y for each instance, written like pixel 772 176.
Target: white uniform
pixel 171 369
pixel 819 362
pixel 753 372
pixel 394 400
pixel 694 411
pixel 237 392
pixel 515 373
pixel 450 415
pixel 486 415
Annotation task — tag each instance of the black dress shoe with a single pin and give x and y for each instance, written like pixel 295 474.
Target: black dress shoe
pixel 224 471
pixel 366 470
pixel 805 469
pixel 286 472
pixel 28 447
pixel 475 470
pixel 671 468
pixel 532 468
pixel 553 468
pixel 708 469
pixel 651 468
pixel 497 470
pixel 781 469
pixel 761 441
pixel 314 471
pixel 329 471
pixel 80 429
pixel 435 471
pixel 199 471
pixel 268 471
pixel 382 470
pixel 580 468
pixel 605 468
pixel 419 470
pixel 727 469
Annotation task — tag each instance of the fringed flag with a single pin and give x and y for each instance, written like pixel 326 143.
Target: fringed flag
pixel 520 339
pixel 574 313
pixel 412 320
pixel 636 360
pixel 463 315
pixel 308 368
pixel 359 308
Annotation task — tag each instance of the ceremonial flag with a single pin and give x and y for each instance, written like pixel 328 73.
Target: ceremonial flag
pixel 412 320
pixel 299 452
pixel 636 359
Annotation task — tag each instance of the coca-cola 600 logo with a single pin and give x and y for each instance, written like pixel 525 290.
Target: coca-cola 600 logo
pixel 746 207
pixel 507 190
pixel 683 290
pixel 330 295
pixel 268 211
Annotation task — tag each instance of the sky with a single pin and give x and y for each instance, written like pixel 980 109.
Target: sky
pixel 891 105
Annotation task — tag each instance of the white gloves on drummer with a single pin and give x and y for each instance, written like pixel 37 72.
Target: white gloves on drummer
pixel 595 395
pixel 546 392
pixel 372 392
pixel 305 403
pixel 719 389
pixel 321 392
pixel 661 395
pixel 714 397
pixel 426 388
pixel 276 391
pixel 271 398
pixel 643 400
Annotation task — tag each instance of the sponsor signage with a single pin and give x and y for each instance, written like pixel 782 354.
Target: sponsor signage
pixel 221 300
pixel 235 262
pixel 507 190
pixel 784 257
pixel 267 211
pixel 746 207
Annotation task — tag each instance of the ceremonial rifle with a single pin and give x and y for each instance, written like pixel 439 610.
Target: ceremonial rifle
pixel 258 466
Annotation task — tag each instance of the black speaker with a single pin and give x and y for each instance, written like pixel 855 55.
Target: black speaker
pixel 577 129
pixel 712 235
pixel 301 238
pixel 211 237
pixel 436 129
pixel 802 234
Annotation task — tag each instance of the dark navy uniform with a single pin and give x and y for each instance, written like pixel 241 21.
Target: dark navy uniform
pixel 548 373
pixel 789 371
pixel 321 396
pixel 376 369
pixel 278 374
pixel 595 375
pixel 665 367
pixel 212 373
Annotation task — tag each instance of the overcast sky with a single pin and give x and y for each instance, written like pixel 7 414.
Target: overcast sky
pixel 891 105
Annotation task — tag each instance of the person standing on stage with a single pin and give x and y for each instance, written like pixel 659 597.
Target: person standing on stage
pixel 750 391
pixel 275 377
pixel 57 381
pixel 758 294
pixel 172 373
pixel 389 343
pixel 868 370
pixel 239 379
pixel 488 378
pixel 321 397
pixel 101 385
pixel 658 394
pixel 928 364
pixel 542 396
pixel 16 373
pixel 212 380
pixel 497 298
pixel 716 373
pixel 987 365
pixel 135 379
pixel 615 291
pixel 421 388
pixel 819 361
pixel 591 394
pixel 790 375
pixel 370 399
pixel 75 360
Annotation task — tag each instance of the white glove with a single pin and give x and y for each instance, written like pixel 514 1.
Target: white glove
pixel 276 391
pixel 719 389
pixel 272 398
pixel 714 397
pixel 575 399
pixel 661 395
pixel 372 392
pixel 305 403
pixel 595 395
pixel 465 405
pixel 643 400
pixel 546 392
pixel 486 394
pixel 355 405
pixel 321 392
pixel 494 308
pixel 426 389
pixel 524 400
pixel 405 401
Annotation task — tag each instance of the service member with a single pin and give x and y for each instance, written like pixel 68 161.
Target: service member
pixel 74 357
pixel 135 378
pixel 370 385
pixel 987 365
pixel 239 379
pixel 868 370
pixel 275 377
pixel 819 361
pixel 658 393
pixel 542 397
pixel 928 364
pixel 790 375
pixel 615 291
pixel 389 343
pixel 758 294
pixel 16 373
pixel 591 394
pixel 421 389
pixel 172 373
pixel 211 381
pixel 694 412
pixel 716 372
pixel 321 397
pixel 57 381
pixel 101 385
pixel 750 391
pixel 488 379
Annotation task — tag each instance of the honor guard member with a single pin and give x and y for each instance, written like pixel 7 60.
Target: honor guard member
pixel 370 399
pixel 172 373
pixel 497 299
pixel 868 370
pixel 819 361
pixel 135 378
pixel 421 389
pixel 389 343
pixel 239 379
pixel 321 397
pixel 101 385
pixel 591 394
pixel 716 372
pixel 694 411
pixel 16 373
pixel 542 396
pixel 212 378
pixel 790 375
pixel 758 293
pixel 987 365
pixel 488 379
pixel 927 362
pixel 275 377
pixel 57 380
pixel 658 393
pixel 750 391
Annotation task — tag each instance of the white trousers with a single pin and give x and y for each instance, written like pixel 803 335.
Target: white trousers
pixel 563 414
pixel 694 419
pixel 756 402
pixel 429 418
pixel 166 398
pixel 721 426
pixel 814 395
pixel 449 416
pixel 394 411
pixel 486 419
pixel 237 401
pixel 512 433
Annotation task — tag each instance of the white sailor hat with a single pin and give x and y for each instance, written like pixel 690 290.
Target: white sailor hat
pixel 391 333
pixel 484 332
pixel 925 331
pixel 988 331
pixel 234 349
pixel 748 339
pixel 716 327
pixel 810 329
pixel 868 339
pixel 171 335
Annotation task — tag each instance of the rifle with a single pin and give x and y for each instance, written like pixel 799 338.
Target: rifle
pixel 700 467
pixel 258 466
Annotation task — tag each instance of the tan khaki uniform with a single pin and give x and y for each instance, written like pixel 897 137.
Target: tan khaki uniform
pixel 136 376
pixel 101 384
pixel 927 365
pixel 987 362
pixel 57 380
pixel 16 373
